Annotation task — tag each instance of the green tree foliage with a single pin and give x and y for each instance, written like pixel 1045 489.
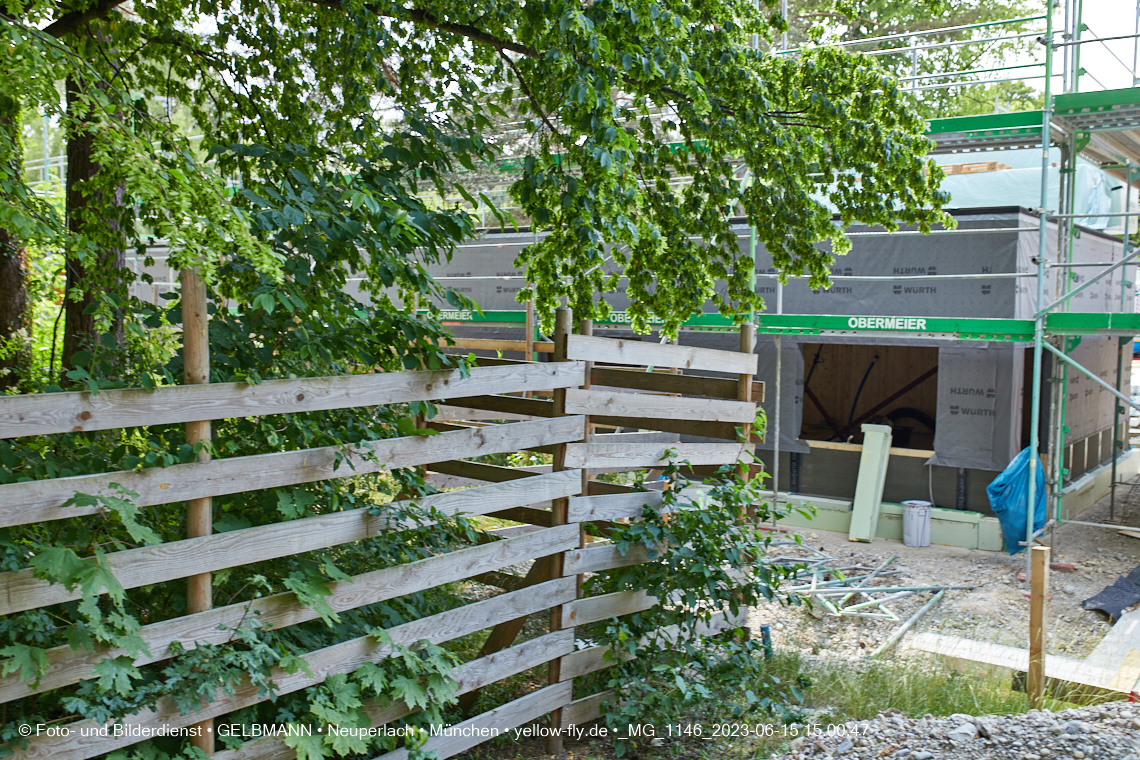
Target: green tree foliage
pixel 813 21
pixel 641 128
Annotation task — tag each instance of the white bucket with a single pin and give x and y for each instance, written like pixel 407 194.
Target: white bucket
pixel 916 523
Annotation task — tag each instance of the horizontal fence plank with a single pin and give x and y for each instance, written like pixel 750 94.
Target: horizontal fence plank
pixel 646 437
pixel 468 677
pixel 45 413
pixel 493 723
pixel 603 455
pixel 87 738
pixel 643 353
pixel 726 431
pixel 586 709
pixel 479 471
pixel 591 609
pixel 615 507
pixel 611 404
pixel 20 590
pixel 595 559
pixel 448 412
pixel 527 515
pixel 66 666
pixel 492 344
pixel 665 382
pixel 596 658
pixel 41 500
pixel 531 407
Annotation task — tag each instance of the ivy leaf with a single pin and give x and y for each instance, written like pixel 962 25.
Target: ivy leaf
pixel 412 692
pixel 307 747
pixel 116 674
pixel 30 661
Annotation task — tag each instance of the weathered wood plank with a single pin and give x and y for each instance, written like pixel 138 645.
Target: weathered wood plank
pixel 595 658
pixel 586 709
pixel 646 437
pixel 620 351
pixel 478 471
pixel 615 507
pixel 663 382
pixel 41 500
pixel 610 404
pixel 44 413
pixel 20 590
pixel 595 559
pixel 469 676
pixel 448 412
pixel 477 730
pixel 591 609
pixel 531 407
pixel 66 666
pixel 85 737
pixel 492 344
pixel 724 430
pixel 603 455
pixel 526 515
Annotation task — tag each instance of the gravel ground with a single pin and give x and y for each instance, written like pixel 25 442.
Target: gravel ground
pixel 1104 732
pixel 995 611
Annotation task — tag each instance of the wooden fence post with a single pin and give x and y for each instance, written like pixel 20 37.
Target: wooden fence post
pixel 744 388
pixel 199 512
pixel 560 509
pixel 1038 594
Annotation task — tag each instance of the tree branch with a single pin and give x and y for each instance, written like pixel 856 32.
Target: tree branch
pixel 69 22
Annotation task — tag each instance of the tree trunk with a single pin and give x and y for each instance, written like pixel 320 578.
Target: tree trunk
pixel 14 308
pixel 99 214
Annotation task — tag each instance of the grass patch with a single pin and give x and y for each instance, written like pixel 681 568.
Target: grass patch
pixel 833 691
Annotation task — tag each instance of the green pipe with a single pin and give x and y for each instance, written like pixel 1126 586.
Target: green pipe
pixel 975 71
pixel 1039 326
pixel 902 629
pixel 1076 47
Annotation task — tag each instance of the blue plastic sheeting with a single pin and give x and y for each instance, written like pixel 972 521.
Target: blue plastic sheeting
pixel 1009 495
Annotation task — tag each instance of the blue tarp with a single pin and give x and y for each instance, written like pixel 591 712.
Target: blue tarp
pixel 1009 495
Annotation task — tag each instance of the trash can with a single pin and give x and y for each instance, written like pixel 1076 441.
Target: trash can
pixel 916 523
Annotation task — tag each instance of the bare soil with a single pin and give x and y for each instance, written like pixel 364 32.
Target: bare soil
pixel 995 611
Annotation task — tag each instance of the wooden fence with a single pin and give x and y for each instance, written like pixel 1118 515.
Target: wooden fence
pixel 549 509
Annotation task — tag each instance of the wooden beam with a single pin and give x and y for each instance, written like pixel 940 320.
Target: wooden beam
pixel 491 344
pixel 1038 592
pixel 530 407
pixel 21 590
pixel 595 608
pixel 88 738
pixel 662 382
pixel 67 666
pixel 614 507
pixel 476 730
pixel 610 404
pixel 598 558
pixel 723 430
pixel 45 413
pixel 620 351
pixel 603 455
pixel 476 674
pixel 42 500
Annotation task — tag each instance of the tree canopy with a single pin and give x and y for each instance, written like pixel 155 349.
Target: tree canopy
pixel 640 127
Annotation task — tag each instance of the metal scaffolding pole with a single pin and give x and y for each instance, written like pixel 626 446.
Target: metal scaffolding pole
pixel 1039 321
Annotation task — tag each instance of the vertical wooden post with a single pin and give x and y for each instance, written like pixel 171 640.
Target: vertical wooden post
pixel 744 388
pixel 560 509
pixel 199 512
pixel 529 331
pixel 1038 595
